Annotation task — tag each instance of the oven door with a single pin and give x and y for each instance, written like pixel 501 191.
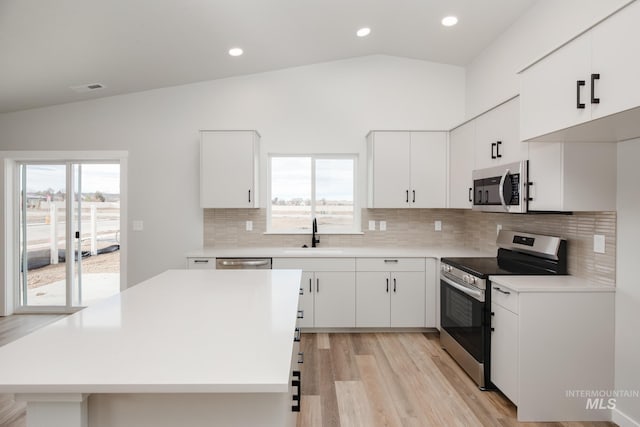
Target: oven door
pixel 462 312
pixel 501 188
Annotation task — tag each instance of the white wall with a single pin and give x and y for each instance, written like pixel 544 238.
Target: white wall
pixel 492 78
pixel 325 108
pixel 627 368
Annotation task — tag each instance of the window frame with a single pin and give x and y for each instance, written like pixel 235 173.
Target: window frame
pixel 356 228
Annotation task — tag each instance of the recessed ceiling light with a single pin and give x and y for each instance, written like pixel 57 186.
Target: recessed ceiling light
pixel 236 51
pixel 449 21
pixel 363 32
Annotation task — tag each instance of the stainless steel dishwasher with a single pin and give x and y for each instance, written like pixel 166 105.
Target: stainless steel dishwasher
pixel 243 263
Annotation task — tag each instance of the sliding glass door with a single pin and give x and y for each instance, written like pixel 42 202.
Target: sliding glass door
pixel 69 228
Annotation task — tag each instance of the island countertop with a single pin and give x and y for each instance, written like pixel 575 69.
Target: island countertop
pixel 183 331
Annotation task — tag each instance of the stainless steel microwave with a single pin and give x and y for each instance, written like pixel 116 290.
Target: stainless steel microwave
pixel 501 188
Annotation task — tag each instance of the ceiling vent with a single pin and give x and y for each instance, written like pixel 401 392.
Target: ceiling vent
pixel 88 87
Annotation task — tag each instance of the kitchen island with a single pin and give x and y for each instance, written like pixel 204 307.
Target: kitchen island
pixel 187 347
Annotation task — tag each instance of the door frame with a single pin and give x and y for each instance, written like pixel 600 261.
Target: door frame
pixel 10 228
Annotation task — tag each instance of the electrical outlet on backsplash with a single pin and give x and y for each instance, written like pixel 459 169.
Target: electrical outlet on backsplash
pixel 415 227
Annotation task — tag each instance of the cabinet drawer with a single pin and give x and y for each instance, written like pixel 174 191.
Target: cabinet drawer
pixel 505 297
pixel 390 264
pixel 315 264
pixel 201 263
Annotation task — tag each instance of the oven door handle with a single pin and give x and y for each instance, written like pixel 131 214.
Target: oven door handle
pixel 501 192
pixel 471 292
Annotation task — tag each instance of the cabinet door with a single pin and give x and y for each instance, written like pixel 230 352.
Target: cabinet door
pixel 305 302
pixel 202 263
pixel 407 299
pixel 461 165
pixel 504 351
pixel 498 135
pixel 390 175
pixel 428 165
pixel 228 162
pixel 335 300
pixel 548 90
pixel 615 44
pixel 432 294
pixel 372 299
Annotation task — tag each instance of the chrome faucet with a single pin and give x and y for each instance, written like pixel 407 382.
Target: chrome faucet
pixel 314 230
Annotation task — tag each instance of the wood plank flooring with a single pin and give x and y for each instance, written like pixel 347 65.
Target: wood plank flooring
pixel 12 414
pixel 369 379
pixel 399 380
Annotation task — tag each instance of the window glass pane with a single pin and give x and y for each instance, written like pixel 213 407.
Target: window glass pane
pixel 334 194
pixel 290 193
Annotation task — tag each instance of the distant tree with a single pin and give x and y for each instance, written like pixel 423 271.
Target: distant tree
pixel 99 196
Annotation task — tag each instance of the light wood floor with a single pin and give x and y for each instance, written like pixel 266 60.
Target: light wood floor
pixel 12 414
pixel 395 380
pixel 359 380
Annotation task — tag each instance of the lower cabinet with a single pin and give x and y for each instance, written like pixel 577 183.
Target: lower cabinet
pixel 504 350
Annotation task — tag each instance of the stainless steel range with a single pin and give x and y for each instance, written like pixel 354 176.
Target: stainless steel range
pixel 465 299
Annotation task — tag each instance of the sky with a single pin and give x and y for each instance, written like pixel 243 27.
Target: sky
pixel 291 178
pixel 95 177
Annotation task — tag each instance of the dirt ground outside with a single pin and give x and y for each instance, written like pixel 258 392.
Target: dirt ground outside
pixel 104 263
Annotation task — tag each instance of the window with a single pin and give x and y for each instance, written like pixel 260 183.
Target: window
pixel 307 187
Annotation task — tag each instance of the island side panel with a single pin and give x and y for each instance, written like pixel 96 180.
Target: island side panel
pixel 193 410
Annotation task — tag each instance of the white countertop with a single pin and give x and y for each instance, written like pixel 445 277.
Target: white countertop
pixel 342 252
pixel 183 331
pixel 549 284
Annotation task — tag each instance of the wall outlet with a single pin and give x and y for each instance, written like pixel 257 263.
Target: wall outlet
pixel 383 225
pixel 437 225
pixel 498 228
pixel 137 225
pixel 372 226
pixel 598 243
pixel 249 225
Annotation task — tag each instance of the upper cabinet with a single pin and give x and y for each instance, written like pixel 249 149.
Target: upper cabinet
pixel 229 169
pixel 407 169
pixel 461 163
pixel 593 76
pixel 498 136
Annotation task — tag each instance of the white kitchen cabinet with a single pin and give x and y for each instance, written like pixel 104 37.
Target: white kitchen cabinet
pixel 390 292
pixel 407 169
pixel 201 263
pixel 328 290
pixel 572 176
pixel 497 134
pixel 229 169
pixel 504 345
pixel 591 77
pixel 545 344
pixel 461 164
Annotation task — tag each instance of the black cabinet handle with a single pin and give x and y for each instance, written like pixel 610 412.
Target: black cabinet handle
pixel 301 291
pixel 493 329
pixel 249 196
pixel 594 77
pixel 317 285
pixel 201 261
pixel 501 291
pixel 300 357
pixel 487 194
pixel 493 145
pixel 407 196
pixel 387 285
pixel 479 197
pixel 296 397
pixel 309 284
pixel 394 284
pixel 579 84
pixel 498 144
pixel 470 190
pixel 300 314
pixel 414 196
pixel 296 335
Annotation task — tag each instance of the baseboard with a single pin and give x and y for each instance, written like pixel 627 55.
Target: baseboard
pixel 364 330
pixel 622 419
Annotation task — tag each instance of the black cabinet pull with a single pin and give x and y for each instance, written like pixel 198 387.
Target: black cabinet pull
pixel 479 197
pixel 387 285
pixel 296 397
pixel 300 314
pixel 498 144
pixel 594 77
pixel 394 284
pixel 487 194
pixel 300 357
pixel 301 291
pixel 493 145
pixel 249 196
pixel 414 196
pixel 470 190
pixel 317 285
pixel 309 284
pixel 296 335
pixel 201 261
pixel 407 196
pixel 579 84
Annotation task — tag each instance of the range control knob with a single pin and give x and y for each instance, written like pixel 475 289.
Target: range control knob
pixel 472 280
pixel 465 278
